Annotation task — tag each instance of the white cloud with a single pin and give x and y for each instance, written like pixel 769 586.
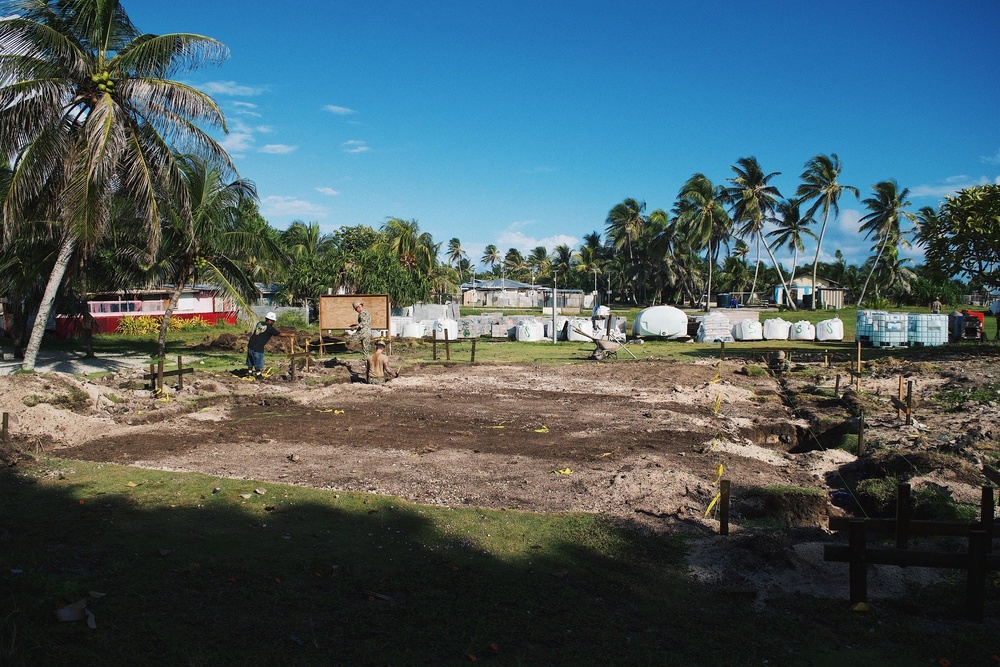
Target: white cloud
pixel 275 206
pixel 995 159
pixel 263 129
pixel 328 191
pixel 951 185
pixel 228 88
pixel 524 243
pixel 237 142
pixel 340 111
pixel 277 149
pixel 355 146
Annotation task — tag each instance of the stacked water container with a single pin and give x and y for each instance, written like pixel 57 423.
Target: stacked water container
pixel 802 330
pixel 863 329
pixel 830 330
pixel 581 323
pixel 889 329
pixel 924 329
pixel 776 329
pixel 748 330
pixel 414 330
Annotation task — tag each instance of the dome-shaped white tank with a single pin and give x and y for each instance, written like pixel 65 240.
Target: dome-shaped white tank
pixel 662 321
pixel 830 329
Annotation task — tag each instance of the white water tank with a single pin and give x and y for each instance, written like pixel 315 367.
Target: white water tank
pixel 924 329
pixel 865 324
pixel 776 329
pixel 802 330
pixel 396 325
pixel 830 329
pixel 748 330
pixel 581 323
pixel 890 329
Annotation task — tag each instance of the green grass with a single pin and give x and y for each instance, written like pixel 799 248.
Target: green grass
pixel 308 577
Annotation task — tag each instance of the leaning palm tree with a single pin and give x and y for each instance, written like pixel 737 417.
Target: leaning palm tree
pixel 819 182
pixel 491 258
pixel 886 206
pixel 455 254
pixel 753 200
pixel 699 211
pixel 625 223
pixel 792 226
pixel 88 112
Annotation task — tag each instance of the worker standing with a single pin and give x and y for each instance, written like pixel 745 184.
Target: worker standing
pixel 363 329
pixel 262 332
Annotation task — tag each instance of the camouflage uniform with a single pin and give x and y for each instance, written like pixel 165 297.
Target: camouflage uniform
pixel 365 332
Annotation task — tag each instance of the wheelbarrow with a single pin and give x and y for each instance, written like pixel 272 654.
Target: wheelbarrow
pixel 604 348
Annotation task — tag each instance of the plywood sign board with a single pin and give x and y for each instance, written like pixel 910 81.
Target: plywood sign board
pixel 337 312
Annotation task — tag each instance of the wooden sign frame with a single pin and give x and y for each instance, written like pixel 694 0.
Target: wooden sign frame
pixel 336 311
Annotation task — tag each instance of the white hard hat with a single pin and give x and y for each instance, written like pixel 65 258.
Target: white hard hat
pixel 271 316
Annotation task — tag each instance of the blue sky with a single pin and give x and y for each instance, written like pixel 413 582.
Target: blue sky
pixel 524 123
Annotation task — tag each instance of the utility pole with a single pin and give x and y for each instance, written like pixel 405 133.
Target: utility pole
pixel 555 300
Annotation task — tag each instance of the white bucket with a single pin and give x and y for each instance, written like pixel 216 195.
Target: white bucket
pixel 830 330
pixel 802 330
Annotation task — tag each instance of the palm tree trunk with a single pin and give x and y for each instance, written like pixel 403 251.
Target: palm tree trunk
pixel 872 272
pixel 756 268
pixel 819 244
pixel 781 276
pixel 711 262
pixel 48 300
pixel 175 296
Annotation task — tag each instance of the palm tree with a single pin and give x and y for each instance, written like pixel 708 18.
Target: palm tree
pixel 819 182
pixel 455 254
pixel 207 242
pixel 491 258
pixel 703 218
pixel 87 111
pixel 625 223
pixel 886 206
pixel 513 263
pixel 791 227
pixel 301 239
pixel 538 262
pixel 753 202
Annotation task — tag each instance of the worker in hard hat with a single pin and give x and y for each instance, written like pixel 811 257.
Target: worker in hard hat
pixel 262 332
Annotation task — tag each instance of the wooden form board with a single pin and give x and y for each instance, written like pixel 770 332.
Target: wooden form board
pixel 337 312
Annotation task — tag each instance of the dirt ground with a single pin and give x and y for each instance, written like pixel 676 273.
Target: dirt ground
pixel 643 441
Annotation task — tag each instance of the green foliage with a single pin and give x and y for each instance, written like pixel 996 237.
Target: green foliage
pixel 952 398
pixel 145 325
pixel 961 239
pixel 291 319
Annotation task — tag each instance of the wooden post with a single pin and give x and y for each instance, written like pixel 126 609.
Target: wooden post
pixel 722 350
pixel 909 402
pixel 180 372
pixel 473 351
pixel 975 583
pixel 986 511
pixel 902 515
pixel 152 376
pixel 858 379
pixel 434 344
pixel 724 507
pixel 5 434
pixel 307 355
pixel 159 374
pixel 858 574
pixel 836 387
pixel 899 411
pixel 861 433
pixel 447 345
pixel 826 355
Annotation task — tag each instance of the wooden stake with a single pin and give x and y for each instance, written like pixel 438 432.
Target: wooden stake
pixel 861 434
pixel 473 351
pixel 858 378
pixel 434 344
pixel 159 374
pixel 722 350
pixel 180 375
pixel 447 346
pixel 909 403
pixel 724 507
pixel 4 433
pixel 836 387
pixel 899 411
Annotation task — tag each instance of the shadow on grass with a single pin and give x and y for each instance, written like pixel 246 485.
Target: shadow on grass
pixel 198 576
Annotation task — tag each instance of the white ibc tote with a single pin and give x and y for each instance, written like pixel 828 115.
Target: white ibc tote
pixel 414 330
pixel 889 329
pixel 529 331
pixel 802 330
pixel 776 329
pixel 830 330
pixel 926 329
pixel 748 330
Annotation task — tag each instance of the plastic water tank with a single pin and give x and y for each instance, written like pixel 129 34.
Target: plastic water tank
pixel 748 330
pixel 396 325
pixel 445 327
pixel 776 329
pixel 924 329
pixel 889 329
pixel 802 330
pixel 830 330
pixel 579 323
pixel 865 324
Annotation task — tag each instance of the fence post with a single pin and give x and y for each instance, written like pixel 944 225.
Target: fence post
pixel 858 573
pixel 159 374
pixel 861 433
pixel 434 344
pixel 858 377
pixel 473 351
pixel 899 411
pixel 975 583
pixel 722 350
pixel 5 433
pixel 724 507
pixel 836 388
pixel 909 402
pixel 180 372
pixel 902 515
pixel 447 345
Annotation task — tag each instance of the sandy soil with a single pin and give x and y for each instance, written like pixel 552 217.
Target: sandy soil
pixel 643 441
